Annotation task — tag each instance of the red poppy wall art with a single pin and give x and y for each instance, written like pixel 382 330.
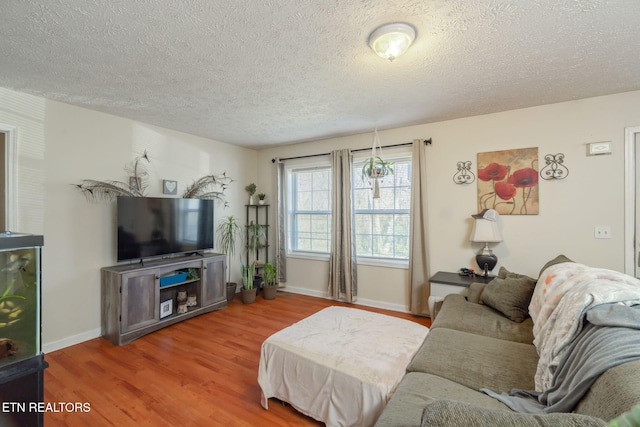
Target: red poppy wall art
pixel 508 181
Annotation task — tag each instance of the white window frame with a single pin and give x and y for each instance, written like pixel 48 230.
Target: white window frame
pixel 295 253
pixel 376 260
pixel 289 204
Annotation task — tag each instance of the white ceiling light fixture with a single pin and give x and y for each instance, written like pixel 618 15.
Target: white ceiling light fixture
pixel 392 40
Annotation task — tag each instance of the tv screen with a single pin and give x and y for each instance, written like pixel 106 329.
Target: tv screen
pixel 155 226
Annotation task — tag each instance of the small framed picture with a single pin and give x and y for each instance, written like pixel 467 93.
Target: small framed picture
pixel 169 187
pixel 166 308
pixel 135 183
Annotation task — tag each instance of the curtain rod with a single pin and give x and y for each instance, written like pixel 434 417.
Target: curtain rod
pixel 426 141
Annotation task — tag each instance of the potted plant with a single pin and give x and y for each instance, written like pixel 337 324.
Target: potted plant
pixel 248 291
pixel 269 284
pixel 251 189
pixel 376 167
pixel 261 197
pixel 229 233
pixel 256 236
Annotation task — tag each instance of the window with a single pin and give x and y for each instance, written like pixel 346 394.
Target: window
pixel 382 225
pixel 310 209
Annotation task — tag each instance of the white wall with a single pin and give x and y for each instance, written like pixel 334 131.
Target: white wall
pixel 592 194
pixel 59 145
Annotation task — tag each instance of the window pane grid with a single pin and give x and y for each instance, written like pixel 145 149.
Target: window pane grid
pixel 310 216
pixel 382 225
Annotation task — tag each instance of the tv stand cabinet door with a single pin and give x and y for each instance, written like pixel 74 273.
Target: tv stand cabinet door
pixel 140 301
pixel 213 281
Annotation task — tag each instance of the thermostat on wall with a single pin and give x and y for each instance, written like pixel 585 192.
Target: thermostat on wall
pixel 596 148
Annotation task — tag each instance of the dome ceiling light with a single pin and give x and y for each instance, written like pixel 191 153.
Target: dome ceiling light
pixel 392 40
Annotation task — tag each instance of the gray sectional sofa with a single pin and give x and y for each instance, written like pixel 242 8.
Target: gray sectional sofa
pixel 473 346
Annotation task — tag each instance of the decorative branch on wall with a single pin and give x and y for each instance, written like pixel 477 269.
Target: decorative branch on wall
pixel 464 174
pixel 554 168
pixel 207 187
pixel 95 190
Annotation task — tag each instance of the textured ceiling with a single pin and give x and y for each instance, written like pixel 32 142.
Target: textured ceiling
pixel 268 72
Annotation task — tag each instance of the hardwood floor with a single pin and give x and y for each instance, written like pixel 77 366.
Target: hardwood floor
pixel 200 372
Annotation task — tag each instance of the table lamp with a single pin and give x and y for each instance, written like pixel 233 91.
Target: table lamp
pixel 485 230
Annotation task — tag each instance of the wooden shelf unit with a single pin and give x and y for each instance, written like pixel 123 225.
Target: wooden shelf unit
pixel 131 294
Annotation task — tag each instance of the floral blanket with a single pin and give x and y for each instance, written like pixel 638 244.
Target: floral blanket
pixel 564 293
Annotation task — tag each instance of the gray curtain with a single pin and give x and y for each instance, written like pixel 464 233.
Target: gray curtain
pixel 342 260
pixel 281 225
pixel 418 248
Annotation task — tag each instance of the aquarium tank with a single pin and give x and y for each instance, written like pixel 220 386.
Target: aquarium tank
pixel 20 331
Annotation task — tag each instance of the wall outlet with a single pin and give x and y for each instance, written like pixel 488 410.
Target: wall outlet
pixel 602 232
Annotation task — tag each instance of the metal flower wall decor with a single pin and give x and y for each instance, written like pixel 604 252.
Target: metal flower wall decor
pixel 464 174
pixel 554 167
pixel 508 181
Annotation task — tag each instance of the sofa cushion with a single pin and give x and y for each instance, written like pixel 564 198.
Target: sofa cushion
pixel 503 273
pixel 459 314
pixel 476 361
pixel 510 296
pixel 557 260
pixel 445 413
pixel 475 291
pixel 416 390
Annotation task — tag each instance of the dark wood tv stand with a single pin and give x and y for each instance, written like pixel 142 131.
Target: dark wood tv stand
pixel 132 295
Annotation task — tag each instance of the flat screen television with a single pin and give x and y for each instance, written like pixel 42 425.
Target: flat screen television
pixel 156 226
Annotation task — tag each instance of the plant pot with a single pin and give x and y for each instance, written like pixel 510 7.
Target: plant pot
pixel 248 295
pixel 261 202
pixel 231 291
pixel 257 281
pixel 269 292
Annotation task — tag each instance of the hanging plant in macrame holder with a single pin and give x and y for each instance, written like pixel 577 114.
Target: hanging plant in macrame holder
pixel 375 168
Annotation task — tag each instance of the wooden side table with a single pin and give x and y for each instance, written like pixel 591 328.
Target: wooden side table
pixel 444 283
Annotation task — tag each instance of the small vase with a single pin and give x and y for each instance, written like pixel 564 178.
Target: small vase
pixel 250 200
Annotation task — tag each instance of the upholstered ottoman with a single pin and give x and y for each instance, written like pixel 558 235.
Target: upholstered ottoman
pixel 340 365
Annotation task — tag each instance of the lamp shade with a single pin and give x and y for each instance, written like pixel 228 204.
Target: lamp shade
pixel 485 231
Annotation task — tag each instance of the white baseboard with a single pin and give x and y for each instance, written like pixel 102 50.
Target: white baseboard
pixel 72 340
pixel 95 333
pixel 360 301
